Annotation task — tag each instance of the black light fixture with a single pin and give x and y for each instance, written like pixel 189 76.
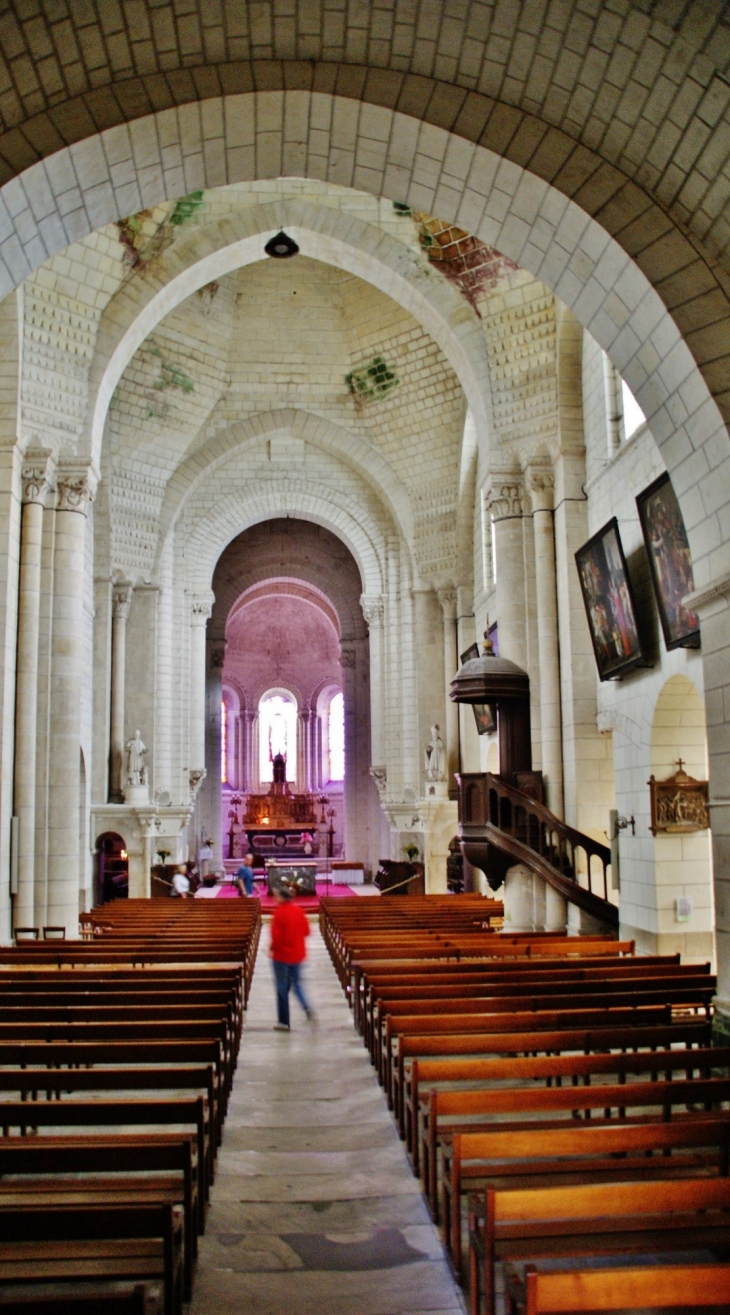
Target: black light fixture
pixel 281 247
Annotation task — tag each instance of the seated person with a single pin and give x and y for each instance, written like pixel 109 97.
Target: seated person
pixel 245 877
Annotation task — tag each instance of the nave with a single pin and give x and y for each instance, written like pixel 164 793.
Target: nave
pixel 314 1208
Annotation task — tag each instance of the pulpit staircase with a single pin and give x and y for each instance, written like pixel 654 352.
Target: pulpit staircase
pixel 500 825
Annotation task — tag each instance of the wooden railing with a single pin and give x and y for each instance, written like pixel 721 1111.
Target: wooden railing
pixel 500 815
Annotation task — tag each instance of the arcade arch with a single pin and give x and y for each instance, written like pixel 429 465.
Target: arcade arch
pixel 581 258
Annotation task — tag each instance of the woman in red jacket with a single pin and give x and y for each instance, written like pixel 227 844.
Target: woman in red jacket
pixel 289 927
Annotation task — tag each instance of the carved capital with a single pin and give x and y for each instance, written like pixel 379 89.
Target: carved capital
pixel 540 481
pixel 347 658
pixel 76 483
pixel 448 597
pixel 195 780
pixel 504 498
pixel 201 607
pixel 217 656
pixel 121 601
pixel 380 777
pixel 37 476
pixel 372 609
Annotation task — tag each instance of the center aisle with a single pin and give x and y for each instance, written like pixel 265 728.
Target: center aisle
pixel 315 1210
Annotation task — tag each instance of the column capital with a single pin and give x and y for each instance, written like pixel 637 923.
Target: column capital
pixel 372 608
pixel 503 496
pixel 448 596
pixel 201 607
pixel 37 475
pixel 122 600
pixel 216 654
pixel 76 482
pixel 540 483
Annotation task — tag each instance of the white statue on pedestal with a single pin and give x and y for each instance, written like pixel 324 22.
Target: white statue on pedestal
pixel 136 770
pixel 434 757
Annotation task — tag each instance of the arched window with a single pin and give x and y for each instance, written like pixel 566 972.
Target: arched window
pixel 336 739
pixel 633 415
pixel 277 734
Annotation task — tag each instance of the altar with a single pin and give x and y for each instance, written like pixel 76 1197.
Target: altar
pixel 276 825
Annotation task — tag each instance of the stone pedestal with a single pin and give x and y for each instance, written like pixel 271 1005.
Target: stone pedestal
pixel 524 900
pixel 439 820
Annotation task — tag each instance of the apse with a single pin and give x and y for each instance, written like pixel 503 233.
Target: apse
pixel 288 724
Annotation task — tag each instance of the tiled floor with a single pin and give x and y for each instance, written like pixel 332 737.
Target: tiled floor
pixel 315 1210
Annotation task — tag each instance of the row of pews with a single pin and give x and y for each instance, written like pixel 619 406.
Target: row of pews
pixel 117 1055
pixel 559 1097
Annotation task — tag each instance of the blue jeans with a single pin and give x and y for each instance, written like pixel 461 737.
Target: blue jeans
pixel 288 978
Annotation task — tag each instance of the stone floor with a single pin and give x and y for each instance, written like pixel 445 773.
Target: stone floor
pixel 315 1210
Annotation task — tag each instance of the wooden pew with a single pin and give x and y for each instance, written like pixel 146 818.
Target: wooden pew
pixel 181 1111
pixel 681 1288
pixel 546 1157
pixel 476 1074
pixel 579 1019
pixel 122 1165
pixel 121 1299
pixel 58 1083
pixel 406 1048
pixel 468 1111
pixel 69 1242
pixel 610 1219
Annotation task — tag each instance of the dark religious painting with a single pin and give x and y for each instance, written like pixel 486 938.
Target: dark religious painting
pixel 670 561
pixel 609 602
pixel 483 712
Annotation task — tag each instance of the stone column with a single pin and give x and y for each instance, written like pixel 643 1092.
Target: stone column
pixel 76 487
pixel 504 501
pixel 211 791
pixel 540 482
pixel 349 690
pixel 201 606
pixel 372 610
pixel 302 751
pixel 121 603
pixel 248 775
pixel 37 476
pixel 313 765
pixel 448 597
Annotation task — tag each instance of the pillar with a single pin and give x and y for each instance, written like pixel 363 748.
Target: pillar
pixel 37 478
pixel 76 485
pixel 504 501
pixel 211 790
pixel 349 690
pixel 373 609
pixel 121 603
pixel 201 606
pixel 540 482
pixel 448 598
pixel 302 784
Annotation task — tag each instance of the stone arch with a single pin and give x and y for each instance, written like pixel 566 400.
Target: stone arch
pixel 350 449
pixel 206 541
pixel 322 233
pixel 682 862
pixel 600 243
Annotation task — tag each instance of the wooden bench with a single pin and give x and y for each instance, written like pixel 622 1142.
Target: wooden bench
pixel 552 1020
pixel 609 1219
pixel 121 1299
pixel 468 1111
pixel 578 1070
pixel 185 1112
pixel 47 1243
pixel 123 1166
pixel 546 1157
pixel 406 1048
pixel 681 1288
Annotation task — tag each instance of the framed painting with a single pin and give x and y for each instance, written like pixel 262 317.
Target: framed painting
pixel 669 561
pixel 609 603
pixel 484 717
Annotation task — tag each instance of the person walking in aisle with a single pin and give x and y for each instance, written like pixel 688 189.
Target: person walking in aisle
pixel 289 929
pixel 245 877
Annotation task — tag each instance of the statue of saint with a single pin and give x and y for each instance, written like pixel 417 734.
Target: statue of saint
pixel 136 770
pixel 434 756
